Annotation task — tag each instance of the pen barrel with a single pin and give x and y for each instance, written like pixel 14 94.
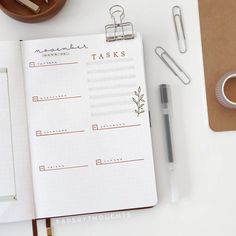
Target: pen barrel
pixel 166 105
pixel 168 138
pixel 166 110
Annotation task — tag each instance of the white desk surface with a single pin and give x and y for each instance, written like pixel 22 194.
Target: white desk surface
pixel 205 160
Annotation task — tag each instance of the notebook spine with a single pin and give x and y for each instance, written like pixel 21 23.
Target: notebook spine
pixel 34 228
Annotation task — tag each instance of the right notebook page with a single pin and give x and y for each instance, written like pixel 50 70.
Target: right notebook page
pixel 89 125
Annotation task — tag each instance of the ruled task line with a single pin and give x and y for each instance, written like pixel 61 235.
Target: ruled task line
pixel 100 162
pixel 96 127
pixel 33 65
pixel 44 168
pixel 53 98
pixel 40 133
pixel 115 69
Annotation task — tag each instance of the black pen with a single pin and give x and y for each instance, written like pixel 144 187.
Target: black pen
pixel 165 103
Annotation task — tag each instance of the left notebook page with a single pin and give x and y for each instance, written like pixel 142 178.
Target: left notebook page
pixel 7 173
pixel 16 195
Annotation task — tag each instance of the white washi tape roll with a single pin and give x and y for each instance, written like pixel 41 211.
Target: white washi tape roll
pixel 220 91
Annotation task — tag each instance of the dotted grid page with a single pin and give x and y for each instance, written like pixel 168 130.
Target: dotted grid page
pixel 89 125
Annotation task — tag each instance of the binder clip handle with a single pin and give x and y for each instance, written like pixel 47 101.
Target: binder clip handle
pixel 119 30
pixel 117 10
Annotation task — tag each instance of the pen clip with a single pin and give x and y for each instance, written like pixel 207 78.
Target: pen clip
pixel 179 28
pixel 171 64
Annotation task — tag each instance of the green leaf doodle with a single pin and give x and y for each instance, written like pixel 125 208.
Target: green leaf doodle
pixel 139 101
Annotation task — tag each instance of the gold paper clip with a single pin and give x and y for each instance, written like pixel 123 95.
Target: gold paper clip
pixel 179 28
pixel 119 30
pixel 172 65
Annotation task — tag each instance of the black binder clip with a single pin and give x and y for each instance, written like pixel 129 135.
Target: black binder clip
pixel 119 30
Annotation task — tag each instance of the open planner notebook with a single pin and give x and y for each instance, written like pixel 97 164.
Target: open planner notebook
pixel 75 130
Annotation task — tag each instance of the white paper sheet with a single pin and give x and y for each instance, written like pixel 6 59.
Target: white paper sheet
pixel 89 125
pixel 7 170
pixel 15 145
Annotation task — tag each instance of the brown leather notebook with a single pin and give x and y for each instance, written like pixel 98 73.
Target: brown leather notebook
pixel 218 30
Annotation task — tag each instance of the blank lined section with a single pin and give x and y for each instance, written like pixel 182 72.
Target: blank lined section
pixel 7 176
pixel 111 83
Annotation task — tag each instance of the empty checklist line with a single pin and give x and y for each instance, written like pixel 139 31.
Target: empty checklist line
pixel 123 68
pixel 109 61
pixel 117 86
pixel 107 104
pixel 111 95
pixel 111 78
pixel 112 112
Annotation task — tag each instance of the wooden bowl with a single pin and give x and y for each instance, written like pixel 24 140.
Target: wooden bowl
pixel 21 13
